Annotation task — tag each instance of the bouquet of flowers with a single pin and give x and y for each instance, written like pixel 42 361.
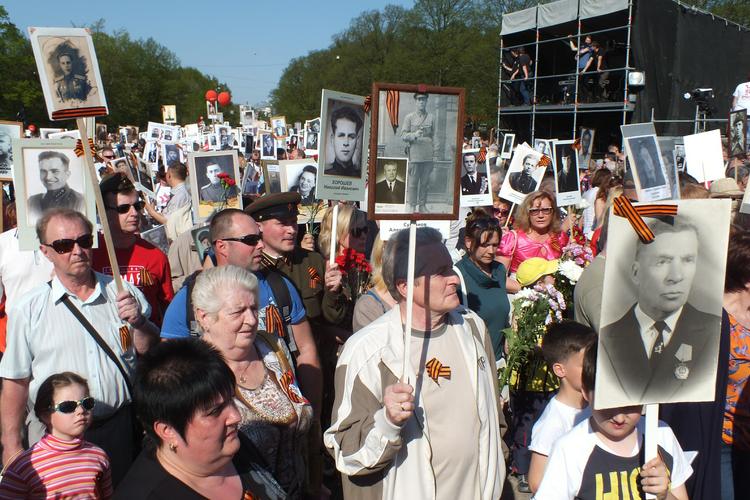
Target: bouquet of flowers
pixel 358 269
pixel 574 259
pixel 533 309
pixel 227 183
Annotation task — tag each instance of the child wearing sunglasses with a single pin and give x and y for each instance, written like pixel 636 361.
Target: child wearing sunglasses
pixel 62 464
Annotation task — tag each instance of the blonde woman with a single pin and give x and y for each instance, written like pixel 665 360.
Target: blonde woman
pixel 378 300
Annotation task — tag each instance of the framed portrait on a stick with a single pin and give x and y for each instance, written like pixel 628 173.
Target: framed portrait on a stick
pixel 47 174
pixel 661 305
pixel 312 136
pixel 423 125
pixel 214 178
pixel 8 132
pixel 585 148
pixel 738 132
pixel 267 146
pixel 343 146
pixel 475 180
pixel 524 174
pixel 299 176
pixel 271 177
pixel 69 72
pixel 650 176
pixel 567 183
pixel 507 151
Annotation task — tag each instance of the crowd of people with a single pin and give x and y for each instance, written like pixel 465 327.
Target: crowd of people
pixel 263 366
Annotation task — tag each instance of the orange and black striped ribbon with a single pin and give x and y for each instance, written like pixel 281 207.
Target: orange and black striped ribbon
pixel 79 148
pixel 126 339
pixel 391 104
pixel 576 144
pixel 624 208
pixel 146 278
pixel 286 381
pixel 314 277
pixel 482 155
pixel 544 161
pixel 368 103
pixel 274 321
pixel 435 370
pixel 67 114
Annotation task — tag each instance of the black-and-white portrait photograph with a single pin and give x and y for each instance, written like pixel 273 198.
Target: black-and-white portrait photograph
pixel 145 179
pixel 299 176
pixel 390 183
pixel 278 126
pixel 311 135
pixel 69 72
pixel 567 183
pixel 271 178
pixel 150 152
pixel 423 124
pixel 475 180
pixel 67 134
pixel 129 134
pixel 248 143
pixel 8 132
pixel 546 147
pixel 210 192
pixel 169 113
pixel 666 148
pixel 343 147
pixel 476 142
pixel 267 146
pixel 171 154
pixel 524 174
pixel 48 174
pixel 101 132
pixel 738 132
pixel 649 174
pixel 201 240
pixel 507 151
pixel 661 307
pixel 586 148
pixel 45 132
pixel 161 132
pixel 679 157
pixel 247 116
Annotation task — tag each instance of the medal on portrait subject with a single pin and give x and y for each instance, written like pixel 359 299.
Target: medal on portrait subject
pixel 683 355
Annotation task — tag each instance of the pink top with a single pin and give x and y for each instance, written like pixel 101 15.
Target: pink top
pixel 518 246
pixel 57 469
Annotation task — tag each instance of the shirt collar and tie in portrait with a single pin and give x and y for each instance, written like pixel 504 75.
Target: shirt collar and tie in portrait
pixel 649 329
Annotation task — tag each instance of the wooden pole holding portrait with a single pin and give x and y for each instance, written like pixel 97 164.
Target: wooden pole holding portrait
pixel 100 208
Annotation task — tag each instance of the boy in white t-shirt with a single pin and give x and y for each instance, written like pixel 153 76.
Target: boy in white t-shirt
pixel 601 457
pixel 563 347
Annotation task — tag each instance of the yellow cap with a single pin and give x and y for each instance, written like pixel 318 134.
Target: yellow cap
pixel 530 270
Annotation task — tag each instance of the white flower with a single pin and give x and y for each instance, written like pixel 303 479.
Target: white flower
pixel 570 270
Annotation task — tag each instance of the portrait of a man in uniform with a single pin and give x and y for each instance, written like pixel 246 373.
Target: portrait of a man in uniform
pixel 70 72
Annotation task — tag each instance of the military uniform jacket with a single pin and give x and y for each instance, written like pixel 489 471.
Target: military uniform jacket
pixel 307 271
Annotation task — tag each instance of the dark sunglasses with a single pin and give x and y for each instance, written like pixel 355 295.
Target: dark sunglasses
pixel 108 157
pixel 501 211
pixel 86 403
pixel 125 207
pixel 249 239
pixel 66 245
pixel 359 231
pixel 543 211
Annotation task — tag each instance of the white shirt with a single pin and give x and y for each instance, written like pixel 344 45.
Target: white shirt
pixel 649 334
pixel 589 213
pixel 20 271
pixel 554 422
pixel 742 93
pixel 45 338
pixel 580 459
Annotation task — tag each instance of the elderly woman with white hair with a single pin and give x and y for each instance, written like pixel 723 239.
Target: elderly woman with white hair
pixel 274 413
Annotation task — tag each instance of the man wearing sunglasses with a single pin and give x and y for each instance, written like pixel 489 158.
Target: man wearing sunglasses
pixel 45 337
pixel 141 263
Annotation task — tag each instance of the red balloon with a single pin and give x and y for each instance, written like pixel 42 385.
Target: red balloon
pixel 225 98
pixel 211 95
pixel 32 127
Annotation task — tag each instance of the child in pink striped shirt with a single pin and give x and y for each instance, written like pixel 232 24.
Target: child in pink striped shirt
pixel 62 464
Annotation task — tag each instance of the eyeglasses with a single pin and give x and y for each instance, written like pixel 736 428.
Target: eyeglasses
pixel 249 239
pixel 66 245
pixel 125 207
pixel 108 157
pixel 543 211
pixel 501 211
pixel 86 403
pixel 359 231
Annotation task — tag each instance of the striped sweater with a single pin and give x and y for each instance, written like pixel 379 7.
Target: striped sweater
pixel 58 469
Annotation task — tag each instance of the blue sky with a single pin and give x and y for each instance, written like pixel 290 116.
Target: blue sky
pixel 249 48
